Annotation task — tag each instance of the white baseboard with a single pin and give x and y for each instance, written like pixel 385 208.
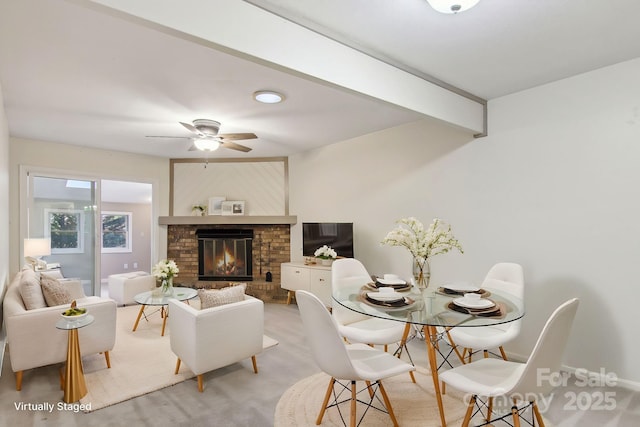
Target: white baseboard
pixel 601 377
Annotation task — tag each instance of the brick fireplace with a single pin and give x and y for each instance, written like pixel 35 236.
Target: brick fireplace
pixel 270 247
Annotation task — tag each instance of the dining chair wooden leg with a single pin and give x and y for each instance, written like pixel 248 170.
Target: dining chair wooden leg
pixel 369 388
pixel 325 402
pixel 200 383
pixel 19 380
pixel 403 345
pixel 352 417
pixel 516 416
pixel 107 359
pixel 386 348
pixel 502 353
pixel 387 403
pixel 467 415
pixel 470 352
pixel 489 409
pixel 454 346
pixel 177 366
pixel 255 364
pixel 486 354
pixel 536 412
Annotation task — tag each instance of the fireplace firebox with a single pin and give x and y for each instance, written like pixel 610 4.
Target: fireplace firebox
pixel 224 254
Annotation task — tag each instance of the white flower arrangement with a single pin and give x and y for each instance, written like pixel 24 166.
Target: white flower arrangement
pixel 325 252
pixel 165 269
pixel 421 243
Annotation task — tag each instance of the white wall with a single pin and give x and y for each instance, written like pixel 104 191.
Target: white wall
pixel 95 163
pixel 553 187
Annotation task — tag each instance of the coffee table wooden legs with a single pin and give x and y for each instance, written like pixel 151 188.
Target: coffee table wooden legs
pixel 430 334
pixel 135 325
pixel 164 313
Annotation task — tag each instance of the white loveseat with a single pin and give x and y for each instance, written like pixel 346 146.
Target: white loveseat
pixel 218 336
pixel 33 338
pixel 124 286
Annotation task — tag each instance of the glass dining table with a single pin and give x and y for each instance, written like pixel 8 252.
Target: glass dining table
pixel 433 312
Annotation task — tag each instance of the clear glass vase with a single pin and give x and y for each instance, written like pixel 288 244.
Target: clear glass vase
pixel 421 272
pixel 167 286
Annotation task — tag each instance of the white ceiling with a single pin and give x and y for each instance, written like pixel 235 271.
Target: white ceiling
pixel 76 74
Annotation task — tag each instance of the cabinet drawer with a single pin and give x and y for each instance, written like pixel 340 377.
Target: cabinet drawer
pixel 294 278
pixel 320 285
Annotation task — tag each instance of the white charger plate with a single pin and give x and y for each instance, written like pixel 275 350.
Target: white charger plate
pixel 461 287
pixel 481 303
pixel 385 296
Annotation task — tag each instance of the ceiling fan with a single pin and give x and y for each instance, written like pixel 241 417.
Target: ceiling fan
pixel 206 137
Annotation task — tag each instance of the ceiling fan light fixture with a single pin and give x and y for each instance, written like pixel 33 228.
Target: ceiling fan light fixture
pixel 205 144
pixel 452 6
pixel 268 97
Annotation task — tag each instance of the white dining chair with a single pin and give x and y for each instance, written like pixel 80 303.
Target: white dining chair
pixel 505 277
pixel 344 361
pixel 358 327
pixel 517 382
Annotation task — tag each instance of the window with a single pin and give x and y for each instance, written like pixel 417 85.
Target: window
pixel 116 232
pixel 64 227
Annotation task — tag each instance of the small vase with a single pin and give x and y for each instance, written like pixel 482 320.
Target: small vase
pixel 327 261
pixel 167 286
pixel 421 272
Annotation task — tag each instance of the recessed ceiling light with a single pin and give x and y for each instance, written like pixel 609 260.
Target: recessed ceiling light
pixel 452 6
pixel 268 97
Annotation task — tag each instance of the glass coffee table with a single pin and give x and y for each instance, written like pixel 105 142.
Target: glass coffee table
pixel 149 298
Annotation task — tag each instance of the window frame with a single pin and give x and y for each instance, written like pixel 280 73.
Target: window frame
pixel 79 249
pixel 129 245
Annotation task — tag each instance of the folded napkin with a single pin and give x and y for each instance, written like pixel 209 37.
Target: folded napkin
pixel 447 291
pixel 498 310
pixel 394 285
pixel 395 303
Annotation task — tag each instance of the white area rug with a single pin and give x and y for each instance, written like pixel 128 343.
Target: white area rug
pixel 413 404
pixel 141 362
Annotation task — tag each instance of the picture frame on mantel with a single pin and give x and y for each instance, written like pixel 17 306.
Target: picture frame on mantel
pixel 215 205
pixel 233 207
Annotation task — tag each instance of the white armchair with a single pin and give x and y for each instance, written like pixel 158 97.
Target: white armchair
pixel 215 337
pixel 123 287
pixel 34 340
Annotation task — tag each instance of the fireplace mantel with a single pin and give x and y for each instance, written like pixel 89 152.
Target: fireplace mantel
pixel 228 219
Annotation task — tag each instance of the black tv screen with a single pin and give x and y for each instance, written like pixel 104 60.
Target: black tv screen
pixel 338 235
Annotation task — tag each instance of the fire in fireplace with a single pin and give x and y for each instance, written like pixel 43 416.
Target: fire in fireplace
pixel 224 254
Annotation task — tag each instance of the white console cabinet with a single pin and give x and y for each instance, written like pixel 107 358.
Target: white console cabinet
pixel 313 278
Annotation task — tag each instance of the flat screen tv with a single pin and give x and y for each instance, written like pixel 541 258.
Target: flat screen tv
pixel 338 235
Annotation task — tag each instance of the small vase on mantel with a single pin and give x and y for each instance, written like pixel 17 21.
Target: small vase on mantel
pixel 421 272
pixel 326 261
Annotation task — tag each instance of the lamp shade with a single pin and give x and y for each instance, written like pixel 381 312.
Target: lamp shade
pixel 452 6
pixel 205 144
pixel 37 247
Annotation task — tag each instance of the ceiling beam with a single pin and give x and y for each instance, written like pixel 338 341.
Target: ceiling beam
pixel 247 31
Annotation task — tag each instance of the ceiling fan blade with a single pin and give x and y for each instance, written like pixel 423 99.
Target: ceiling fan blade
pixel 236 136
pixel 234 146
pixel 193 148
pixel 191 128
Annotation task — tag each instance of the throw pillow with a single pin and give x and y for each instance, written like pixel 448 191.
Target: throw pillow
pixel 53 274
pixel 55 292
pixel 215 297
pixel 30 290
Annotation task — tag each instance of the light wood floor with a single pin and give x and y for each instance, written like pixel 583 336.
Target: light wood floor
pixel 235 396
